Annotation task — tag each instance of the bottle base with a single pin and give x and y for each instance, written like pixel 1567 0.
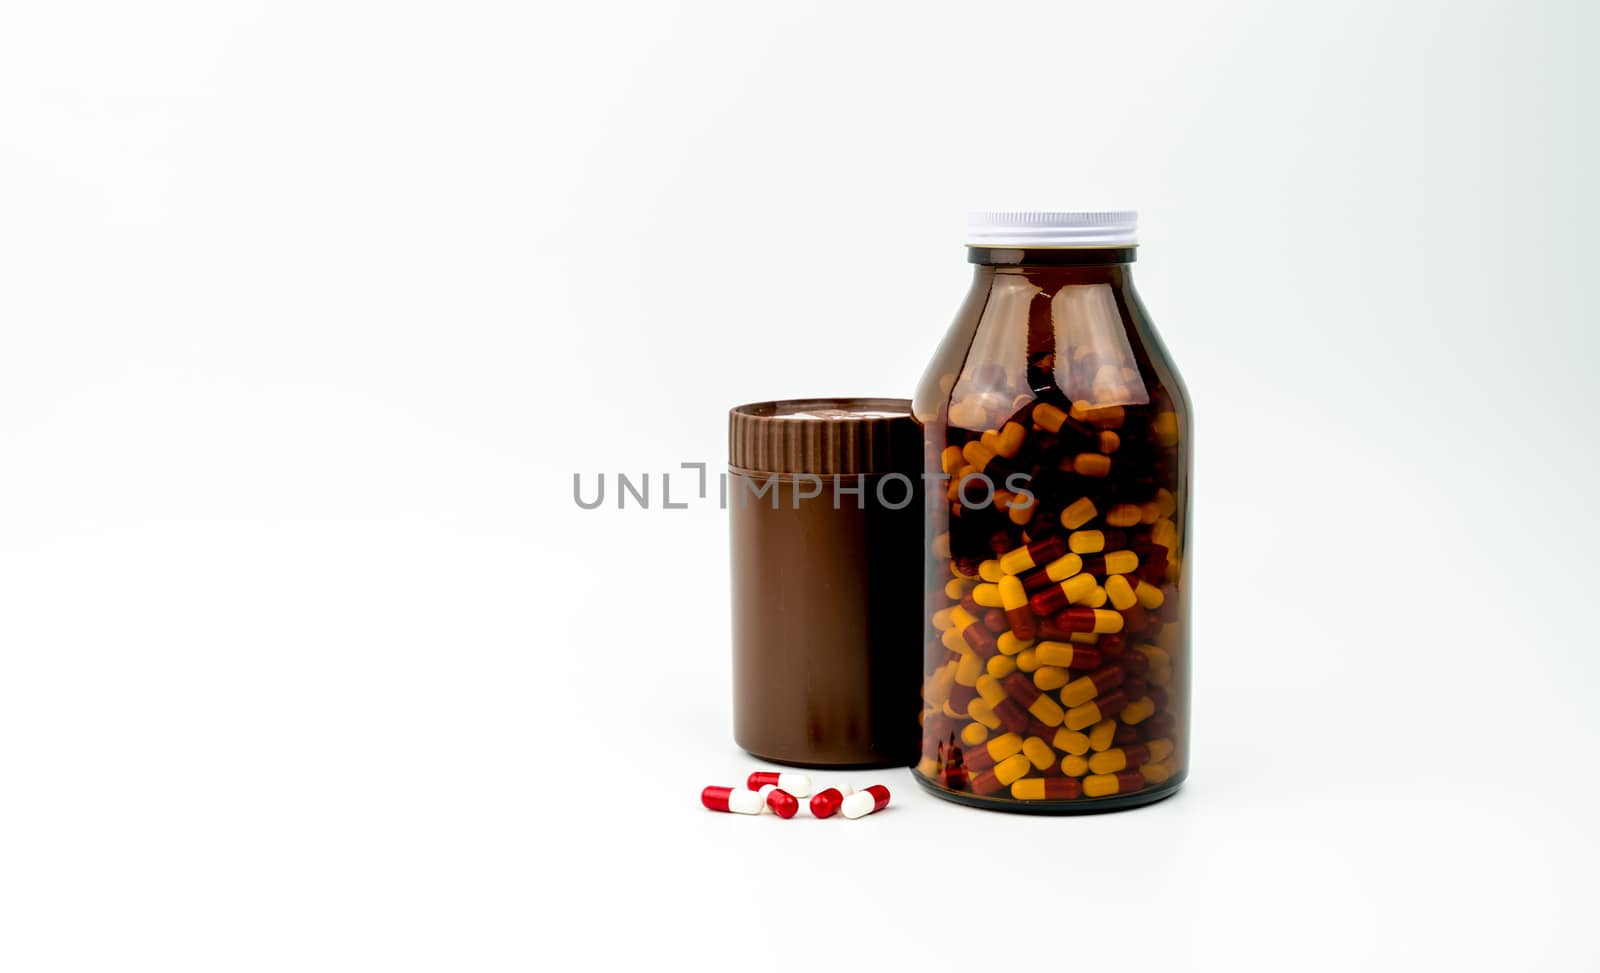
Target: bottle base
pixel 1098 805
pixel 863 763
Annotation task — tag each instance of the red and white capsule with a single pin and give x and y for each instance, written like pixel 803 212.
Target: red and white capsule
pixel 862 803
pixel 825 803
pixel 780 802
pixel 799 785
pixel 733 799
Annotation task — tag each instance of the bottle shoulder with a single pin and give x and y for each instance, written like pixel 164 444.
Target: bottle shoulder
pixel 1019 337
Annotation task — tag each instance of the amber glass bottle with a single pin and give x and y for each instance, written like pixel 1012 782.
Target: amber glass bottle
pixel 1057 464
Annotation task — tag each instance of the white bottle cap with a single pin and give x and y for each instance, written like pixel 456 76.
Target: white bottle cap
pixel 1037 228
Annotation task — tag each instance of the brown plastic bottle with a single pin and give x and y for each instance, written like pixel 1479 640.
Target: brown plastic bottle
pixel 1057 468
pixel 825 517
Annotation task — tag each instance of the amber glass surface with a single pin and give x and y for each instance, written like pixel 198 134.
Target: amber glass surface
pixel 1057 437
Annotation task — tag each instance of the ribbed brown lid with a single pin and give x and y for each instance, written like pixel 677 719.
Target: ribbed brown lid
pixel 825 436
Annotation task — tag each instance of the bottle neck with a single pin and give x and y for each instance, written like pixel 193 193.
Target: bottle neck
pixel 1051 257
pixel 1052 268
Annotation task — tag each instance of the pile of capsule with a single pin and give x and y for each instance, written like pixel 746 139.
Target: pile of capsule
pixel 1055 627
pixel 768 792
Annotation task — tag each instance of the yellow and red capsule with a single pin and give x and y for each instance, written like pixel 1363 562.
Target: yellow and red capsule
pixel 1120 593
pixel 988 754
pixel 1001 775
pixel 1032 555
pixel 1100 621
pixel 1096 683
pixel 1094 711
pixel 1055 572
pixel 1105 785
pixel 1020 688
pixel 977 636
pixel 1056 598
pixel 1141 709
pixel 1094 541
pixel 1014 601
pixel 1047 789
pixel 1119 759
pixel 1114 561
pixel 1065 655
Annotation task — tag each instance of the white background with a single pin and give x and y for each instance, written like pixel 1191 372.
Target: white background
pixel 310 312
